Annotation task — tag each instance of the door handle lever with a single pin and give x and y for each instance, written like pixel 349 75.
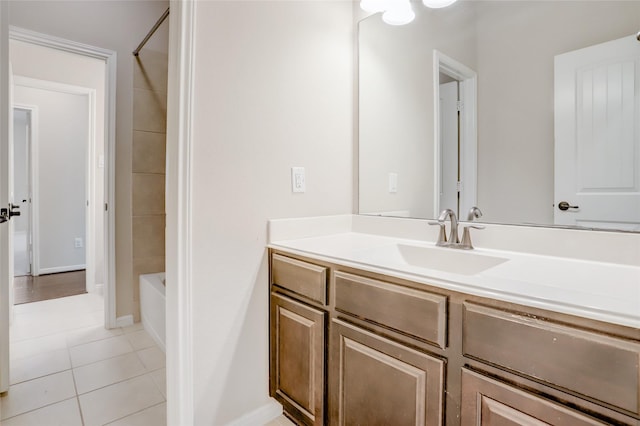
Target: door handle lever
pixel 563 205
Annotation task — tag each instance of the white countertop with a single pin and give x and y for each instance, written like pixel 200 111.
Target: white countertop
pixel 591 289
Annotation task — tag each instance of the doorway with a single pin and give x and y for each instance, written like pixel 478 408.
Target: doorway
pixel 71 238
pixel 455 159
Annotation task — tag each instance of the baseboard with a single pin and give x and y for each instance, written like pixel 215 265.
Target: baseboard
pixel 124 321
pixel 99 289
pixel 260 416
pixel 58 269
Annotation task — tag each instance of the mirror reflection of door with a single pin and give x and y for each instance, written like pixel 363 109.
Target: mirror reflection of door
pixel 597 128
pixel 22 191
pixel 449 145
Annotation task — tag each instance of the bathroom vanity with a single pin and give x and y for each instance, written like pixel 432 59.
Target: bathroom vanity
pixel 355 340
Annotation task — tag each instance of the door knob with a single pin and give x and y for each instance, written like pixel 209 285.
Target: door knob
pixel 563 205
pixel 13 210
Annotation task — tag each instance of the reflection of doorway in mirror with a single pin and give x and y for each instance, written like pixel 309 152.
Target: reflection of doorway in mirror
pixel 597 130
pixel 449 146
pixel 455 159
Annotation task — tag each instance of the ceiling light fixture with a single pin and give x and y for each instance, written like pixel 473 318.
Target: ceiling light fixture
pixel 399 12
pixel 373 6
pixel 437 4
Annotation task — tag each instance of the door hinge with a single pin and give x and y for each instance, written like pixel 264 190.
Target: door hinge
pixel 459 186
pixel 106 207
pixel 459 105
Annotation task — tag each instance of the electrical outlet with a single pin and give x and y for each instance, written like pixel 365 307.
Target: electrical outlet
pixel 298 181
pixel 78 242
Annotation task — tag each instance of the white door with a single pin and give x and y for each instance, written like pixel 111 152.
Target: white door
pixel 6 263
pixel 21 192
pixel 597 136
pixel 449 174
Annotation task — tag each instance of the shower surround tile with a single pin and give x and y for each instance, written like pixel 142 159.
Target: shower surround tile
pixel 149 152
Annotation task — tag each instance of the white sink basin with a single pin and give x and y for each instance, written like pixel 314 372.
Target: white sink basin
pixel 455 261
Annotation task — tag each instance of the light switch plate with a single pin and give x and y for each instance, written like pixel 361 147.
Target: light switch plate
pixel 298 181
pixel 393 183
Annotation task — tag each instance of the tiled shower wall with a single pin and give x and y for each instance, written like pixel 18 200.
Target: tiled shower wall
pixel 148 166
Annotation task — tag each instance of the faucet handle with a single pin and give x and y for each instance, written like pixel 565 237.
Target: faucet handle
pixel 442 238
pixel 466 236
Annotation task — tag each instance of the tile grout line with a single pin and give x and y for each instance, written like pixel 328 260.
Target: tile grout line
pixel 133 414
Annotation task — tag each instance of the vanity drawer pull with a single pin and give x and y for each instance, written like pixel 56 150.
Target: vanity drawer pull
pixel 412 312
pixel 304 278
pixel 592 364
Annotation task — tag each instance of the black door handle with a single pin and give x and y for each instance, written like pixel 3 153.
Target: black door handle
pixel 563 205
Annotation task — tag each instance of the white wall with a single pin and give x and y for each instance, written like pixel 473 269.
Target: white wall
pixel 29 60
pixel 119 26
pixel 396 103
pixel 273 88
pixel 62 148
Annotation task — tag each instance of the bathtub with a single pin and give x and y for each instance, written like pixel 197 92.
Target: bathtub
pixel 153 306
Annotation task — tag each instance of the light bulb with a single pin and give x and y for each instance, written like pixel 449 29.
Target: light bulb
pixel 398 13
pixel 373 6
pixel 437 4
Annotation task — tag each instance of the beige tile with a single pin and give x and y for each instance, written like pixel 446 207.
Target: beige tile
pixel 107 372
pixel 152 358
pixel 148 236
pixel 153 416
pixel 99 350
pixel 133 328
pixel 40 365
pixel 37 393
pixel 65 413
pixel 149 111
pixel 91 334
pixel 140 340
pixel 148 194
pixel 149 153
pixel 160 377
pixel 31 347
pixel 119 400
pixel 150 70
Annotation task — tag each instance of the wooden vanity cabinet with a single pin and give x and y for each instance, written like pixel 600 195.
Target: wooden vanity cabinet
pixel 298 322
pixel 350 347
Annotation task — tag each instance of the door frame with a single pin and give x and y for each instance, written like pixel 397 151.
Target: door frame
pixel 109 57
pixel 32 143
pixel 468 79
pixel 90 211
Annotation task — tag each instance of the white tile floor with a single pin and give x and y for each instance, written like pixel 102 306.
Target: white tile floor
pixel 67 370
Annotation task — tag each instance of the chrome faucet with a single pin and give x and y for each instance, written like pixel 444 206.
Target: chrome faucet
pixel 453 240
pixel 453 234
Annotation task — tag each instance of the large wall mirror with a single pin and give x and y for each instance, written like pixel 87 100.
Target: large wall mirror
pixel 528 109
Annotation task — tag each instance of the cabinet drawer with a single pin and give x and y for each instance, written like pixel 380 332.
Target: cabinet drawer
pixel 416 313
pixel 304 278
pixel 592 364
pixel 488 402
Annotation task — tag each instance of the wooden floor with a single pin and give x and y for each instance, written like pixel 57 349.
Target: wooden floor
pixel 44 287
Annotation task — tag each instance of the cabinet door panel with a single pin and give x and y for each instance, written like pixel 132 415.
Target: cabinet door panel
pixel 297 363
pixel 375 381
pixel 488 402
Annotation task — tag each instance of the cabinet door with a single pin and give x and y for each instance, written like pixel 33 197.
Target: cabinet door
pixel 376 381
pixel 488 402
pixel 297 358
